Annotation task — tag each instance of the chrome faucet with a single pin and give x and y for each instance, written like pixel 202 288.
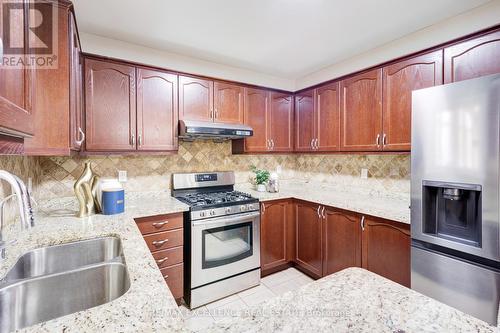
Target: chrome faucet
pixel 24 204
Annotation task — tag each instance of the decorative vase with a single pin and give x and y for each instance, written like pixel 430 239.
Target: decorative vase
pixel 261 188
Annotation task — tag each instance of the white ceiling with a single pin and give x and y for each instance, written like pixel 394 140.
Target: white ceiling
pixel 285 38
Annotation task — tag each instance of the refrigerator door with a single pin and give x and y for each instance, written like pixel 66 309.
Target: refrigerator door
pixel 470 288
pixel 456 143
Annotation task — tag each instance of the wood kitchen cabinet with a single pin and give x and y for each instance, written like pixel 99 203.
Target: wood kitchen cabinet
pixel 341 240
pixel 58 106
pixel 157 107
pixel 317 119
pixel 472 58
pixel 308 229
pixel 196 99
pixel 110 100
pixel 386 249
pixel 399 80
pixel 256 115
pixel 281 122
pixel 164 235
pixel 305 127
pixel 17 85
pixel 361 112
pixel 276 235
pixel 228 103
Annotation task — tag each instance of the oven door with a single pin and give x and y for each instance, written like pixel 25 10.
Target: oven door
pixel 224 247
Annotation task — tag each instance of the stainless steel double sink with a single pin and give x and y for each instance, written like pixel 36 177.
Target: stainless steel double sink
pixel 54 281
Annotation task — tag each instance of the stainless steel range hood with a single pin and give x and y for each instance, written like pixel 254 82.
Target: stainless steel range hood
pixel 192 130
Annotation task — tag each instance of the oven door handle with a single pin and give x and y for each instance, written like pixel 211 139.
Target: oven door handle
pixel 227 220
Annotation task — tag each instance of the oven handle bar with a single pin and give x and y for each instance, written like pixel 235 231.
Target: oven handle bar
pixel 227 220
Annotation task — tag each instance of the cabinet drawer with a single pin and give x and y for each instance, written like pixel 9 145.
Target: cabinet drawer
pixel 169 257
pixel 151 224
pixel 164 240
pixel 174 276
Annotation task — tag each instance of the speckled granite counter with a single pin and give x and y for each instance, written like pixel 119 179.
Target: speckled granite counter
pixel 353 300
pixel 148 305
pixel 393 207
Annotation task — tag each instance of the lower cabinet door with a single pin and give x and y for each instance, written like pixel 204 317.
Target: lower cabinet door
pixel 341 241
pixel 386 249
pixel 274 235
pixel 174 276
pixel 308 228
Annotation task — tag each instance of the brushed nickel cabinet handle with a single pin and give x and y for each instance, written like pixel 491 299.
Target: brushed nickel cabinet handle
pixel 378 140
pixel 133 140
pixel 139 140
pixel 323 213
pixel 384 140
pixel 317 211
pixel 312 144
pixel 82 136
pixel 362 223
pixel 158 225
pixel 160 243
pixel 161 261
pixel 272 144
pixel 316 144
pixel 165 276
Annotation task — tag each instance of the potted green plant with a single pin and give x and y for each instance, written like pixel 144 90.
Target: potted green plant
pixel 261 178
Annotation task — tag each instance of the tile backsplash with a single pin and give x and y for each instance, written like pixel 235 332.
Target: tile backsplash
pixel 54 176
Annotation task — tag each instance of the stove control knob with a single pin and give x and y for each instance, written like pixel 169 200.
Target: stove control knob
pixel 249 207
pixel 243 208
pixel 228 210
pixel 202 214
pixel 212 212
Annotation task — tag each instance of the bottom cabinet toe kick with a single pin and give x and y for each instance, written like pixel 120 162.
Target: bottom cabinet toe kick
pixel 164 236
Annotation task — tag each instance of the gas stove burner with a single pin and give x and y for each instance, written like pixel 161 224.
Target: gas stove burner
pixel 214 198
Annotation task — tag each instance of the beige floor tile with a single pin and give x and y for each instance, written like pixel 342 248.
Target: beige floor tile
pixel 275 279
pixel 221 302
pixel 303 280
pixel 229 310
pixel 253 290
pixel 258 297
pixel 282 288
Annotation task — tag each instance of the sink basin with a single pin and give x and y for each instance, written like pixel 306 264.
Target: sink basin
pixel 55 281
pixel 64 257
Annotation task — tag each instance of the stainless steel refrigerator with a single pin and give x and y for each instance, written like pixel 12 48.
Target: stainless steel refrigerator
pixel 455 195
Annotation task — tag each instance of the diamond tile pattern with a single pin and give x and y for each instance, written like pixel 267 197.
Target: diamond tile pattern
pixel 55 176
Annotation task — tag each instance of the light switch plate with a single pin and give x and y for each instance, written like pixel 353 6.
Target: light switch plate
pixel 122 176
pixel 364 173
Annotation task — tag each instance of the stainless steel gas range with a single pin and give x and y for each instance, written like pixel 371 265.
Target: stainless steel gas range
pixel 221 236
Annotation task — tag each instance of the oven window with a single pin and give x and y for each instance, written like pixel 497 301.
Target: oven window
pixel 225 245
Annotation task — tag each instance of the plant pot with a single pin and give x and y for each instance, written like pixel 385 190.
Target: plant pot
pixel 261 188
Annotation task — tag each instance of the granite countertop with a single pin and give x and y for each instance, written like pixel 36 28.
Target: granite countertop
pixel 353 300
pixel 148 305
pixel 389 206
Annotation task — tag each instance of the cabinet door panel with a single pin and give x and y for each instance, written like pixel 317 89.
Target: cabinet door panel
pixel 195 99
pixel 328 117
pixel 228 103
pixel 308 238
pixel 361 112
pixel 400 80
pixel 474 58
pixel 157 110
pixel 76 87
pixel 17 85
pixel 256 115
pixel 281 122
pixel 305 130
pixel 342 241
pixel 110 106
pixel 273 234
pixel 386 250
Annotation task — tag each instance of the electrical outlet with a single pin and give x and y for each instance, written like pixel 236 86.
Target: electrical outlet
pixel 122 176
pixel 364 173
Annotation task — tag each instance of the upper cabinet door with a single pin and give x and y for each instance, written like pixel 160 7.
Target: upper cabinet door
pixel 157 110
pixel 361 112
pixel 110 106
pixel 400 80
pixel 16 85
pixel 228 103
pixel 196 99
pixel 281 122
pixel 77 133
pixel 328 117
pixel 474 58
pixel 256 115
pixel 305 130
